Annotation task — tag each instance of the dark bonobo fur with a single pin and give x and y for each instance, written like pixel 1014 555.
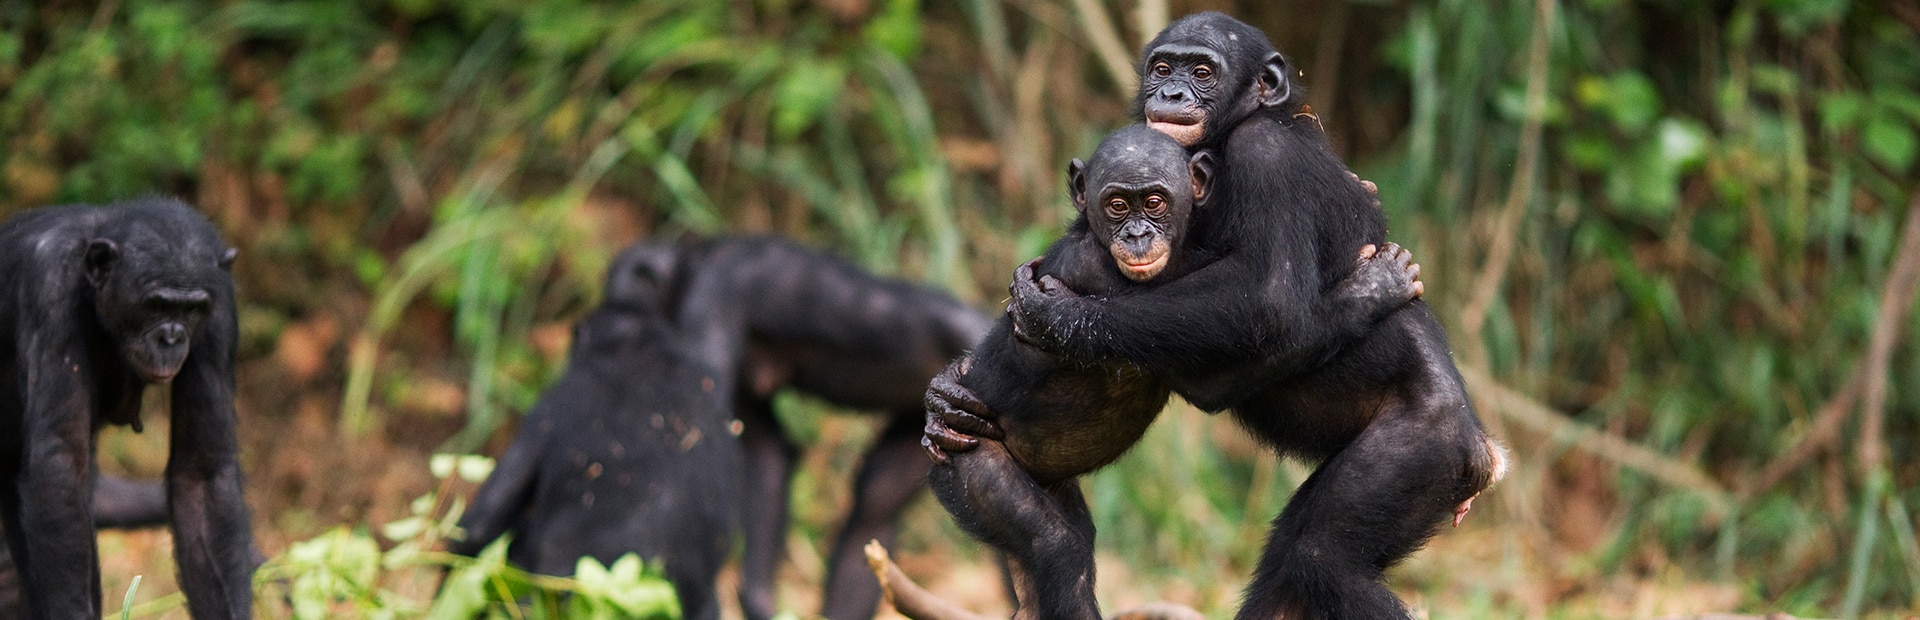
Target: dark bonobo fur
pixel 828 328
pixel 631 450
pixel 99 303
pixel 1382 410
pixel 1013 482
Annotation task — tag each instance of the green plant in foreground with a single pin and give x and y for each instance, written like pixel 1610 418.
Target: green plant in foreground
pixel 345 573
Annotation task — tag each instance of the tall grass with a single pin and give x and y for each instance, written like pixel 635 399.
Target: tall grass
pixel 1667 238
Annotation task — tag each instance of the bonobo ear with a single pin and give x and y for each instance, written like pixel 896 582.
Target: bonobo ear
pixel 101 254
pixel 226 258
pixel 1274 87
pixel 1200 170
pixel 1077 184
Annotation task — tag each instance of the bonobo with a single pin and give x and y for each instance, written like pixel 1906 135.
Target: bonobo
pixel 631 450
pixel 1057 417
pixel 118 503
pixel 1385 416
pixel 825 327
pixel 99 303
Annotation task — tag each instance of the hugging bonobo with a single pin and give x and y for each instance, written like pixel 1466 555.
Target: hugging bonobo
pixel 1248 272
pixel 99 303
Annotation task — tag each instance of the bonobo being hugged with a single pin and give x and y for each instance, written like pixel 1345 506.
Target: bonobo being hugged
pixel 1320 356
pixel 1012 426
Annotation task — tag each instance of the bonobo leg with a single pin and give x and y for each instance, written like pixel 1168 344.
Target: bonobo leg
pixel 1366 508
pixel 1046 532
pixel 769 458
pixel 888 480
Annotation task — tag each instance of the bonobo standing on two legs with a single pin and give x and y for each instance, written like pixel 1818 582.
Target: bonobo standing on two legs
pixel 98 304
pixel 1386 416
pixel 825 327
pixel 1058 417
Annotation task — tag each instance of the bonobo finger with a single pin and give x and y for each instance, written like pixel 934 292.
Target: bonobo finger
pixel 1024 273
pixel 1413 271
pixel 1053 286
pixel 948 440
pixel 1367 251
pixel 934 452
pixel 955 421
pixel 1419 288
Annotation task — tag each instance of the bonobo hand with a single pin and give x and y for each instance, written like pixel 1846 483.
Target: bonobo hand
pixel 1373 191
pixel 1035 302
pixel 1383 280
pixel 956 419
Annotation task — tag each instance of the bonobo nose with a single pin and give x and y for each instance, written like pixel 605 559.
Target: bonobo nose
pixel 172 334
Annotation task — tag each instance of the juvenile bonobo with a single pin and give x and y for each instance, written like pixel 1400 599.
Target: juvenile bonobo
pixel 1057 417
pixel 1385 415
pixel 828 328
pixel 630 451
pixel 99 303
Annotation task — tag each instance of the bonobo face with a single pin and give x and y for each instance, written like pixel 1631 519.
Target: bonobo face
pixel 644 275
pixel 154 317
pixel 1206 73
pixel 1137 195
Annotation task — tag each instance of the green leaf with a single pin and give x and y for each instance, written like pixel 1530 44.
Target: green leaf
pixel 897 28
pixel 1889 141
pixel 804 93
pixel 1683 142
pixel 1839 111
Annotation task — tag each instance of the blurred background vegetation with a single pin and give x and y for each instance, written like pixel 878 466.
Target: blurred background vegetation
pixel 1674 242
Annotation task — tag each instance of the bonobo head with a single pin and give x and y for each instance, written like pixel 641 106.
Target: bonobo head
pixel 644 274
pixel 1207 72
pixel 152 288
pixel 1146 187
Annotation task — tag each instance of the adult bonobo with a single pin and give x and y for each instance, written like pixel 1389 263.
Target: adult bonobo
pixel 1386 417
pixel 828 328
pixel 1057 417
pixel 631 450
pixel 99 303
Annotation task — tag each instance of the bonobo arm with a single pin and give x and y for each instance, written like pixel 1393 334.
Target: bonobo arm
pixel 1388 278
pixel 54 542
pixel 212 533
pixel 1222 332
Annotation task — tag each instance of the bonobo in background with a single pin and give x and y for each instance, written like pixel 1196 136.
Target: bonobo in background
pixel 823 326
pixel 117 503
pixel 1059 417
pixel 98 303
pixel 1399 448
pixel 631 450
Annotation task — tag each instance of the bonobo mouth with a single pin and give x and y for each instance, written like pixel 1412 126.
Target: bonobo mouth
pixel 1140 271
pixel 1184 126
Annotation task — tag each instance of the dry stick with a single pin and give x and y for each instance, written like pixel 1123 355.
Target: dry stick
pixel 1105 38
pixel 1543 419
pixel 916 603
pixel 1870 376
pixel 1506 227
pixel 1151 17
pixel 1896 300
pixel 908 597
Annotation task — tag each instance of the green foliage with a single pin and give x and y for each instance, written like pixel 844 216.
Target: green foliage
pixel 347 573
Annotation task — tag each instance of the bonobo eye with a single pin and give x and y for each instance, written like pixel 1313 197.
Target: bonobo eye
pixel 1156 206
pixel 1116 209
pixel 1161 69
pixel 1203 72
